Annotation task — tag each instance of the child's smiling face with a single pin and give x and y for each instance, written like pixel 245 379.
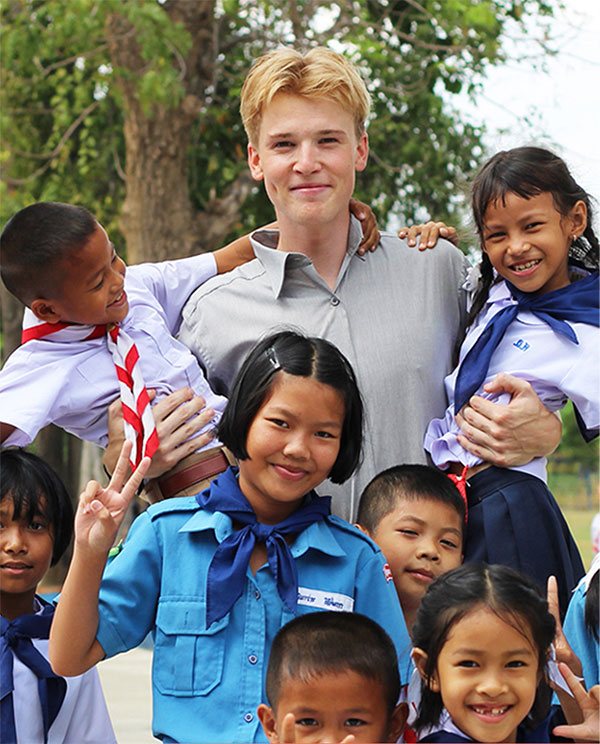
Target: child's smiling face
pixel 487 674
pixel 421 539
pixel 528 240
pixel 292 444
pixel 90 282
pixel 330 707
pixel 26 547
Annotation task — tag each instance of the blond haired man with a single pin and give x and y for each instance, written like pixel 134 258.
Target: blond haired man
pixel 395 314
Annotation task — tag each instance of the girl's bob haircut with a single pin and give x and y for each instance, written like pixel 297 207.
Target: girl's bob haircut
pixel 295 354
pixel 514 598
pixel 37 491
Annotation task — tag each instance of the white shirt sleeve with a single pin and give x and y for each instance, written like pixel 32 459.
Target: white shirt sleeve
pixel 172 282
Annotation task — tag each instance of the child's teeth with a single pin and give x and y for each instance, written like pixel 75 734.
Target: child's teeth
pixel 491 711
pixel 524 267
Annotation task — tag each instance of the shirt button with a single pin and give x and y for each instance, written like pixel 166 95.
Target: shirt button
pixel 248 718
pixel 335 301
pixel 257 594
pixel 253 659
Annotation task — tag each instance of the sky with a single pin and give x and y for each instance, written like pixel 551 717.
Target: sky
pixel 565 99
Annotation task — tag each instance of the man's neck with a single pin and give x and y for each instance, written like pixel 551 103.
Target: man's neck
pixel 325 245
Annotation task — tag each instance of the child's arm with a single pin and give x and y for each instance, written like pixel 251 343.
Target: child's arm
pixel 588 704
pixel 562 647
pixel 73 645
pixel 5 431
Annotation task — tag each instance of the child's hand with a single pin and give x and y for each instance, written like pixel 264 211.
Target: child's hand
pixel 430 233
pixel 101 510
pixel 368 223
pixel 589 706
pixel 288 733
pixel 562 647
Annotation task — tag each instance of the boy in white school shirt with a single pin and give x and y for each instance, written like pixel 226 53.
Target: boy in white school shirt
pixel 59 261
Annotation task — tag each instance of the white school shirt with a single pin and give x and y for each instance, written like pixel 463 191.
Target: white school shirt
pixel 72 384
pixel 83 716
pixel 557 369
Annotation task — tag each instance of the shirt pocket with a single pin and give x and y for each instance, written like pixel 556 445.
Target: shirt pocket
pixel 188 656
pixel 156 338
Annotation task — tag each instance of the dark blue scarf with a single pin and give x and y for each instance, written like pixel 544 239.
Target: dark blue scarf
pixel 577 302
pixel 15 638
pixel 227 570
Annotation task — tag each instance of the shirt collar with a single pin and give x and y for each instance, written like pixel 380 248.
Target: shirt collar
pixel 316 537
pixel 203 520
pixel 276 263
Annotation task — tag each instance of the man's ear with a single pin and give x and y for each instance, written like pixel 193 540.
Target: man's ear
pixel 267 719
pixel 363 529
pixel 45 310
pixel 420 659
pixel 254 163
pixel 398 721
pixel 362 152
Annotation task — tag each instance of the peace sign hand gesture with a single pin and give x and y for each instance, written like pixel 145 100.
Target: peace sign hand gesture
pixel 102 510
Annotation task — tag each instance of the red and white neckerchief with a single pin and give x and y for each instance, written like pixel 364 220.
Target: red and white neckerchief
pixel 138 420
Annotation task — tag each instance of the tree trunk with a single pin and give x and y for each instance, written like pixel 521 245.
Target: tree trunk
pixel 157 204
pixel 12 314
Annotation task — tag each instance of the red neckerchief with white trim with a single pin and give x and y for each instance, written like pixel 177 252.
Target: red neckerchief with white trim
pixel 138 420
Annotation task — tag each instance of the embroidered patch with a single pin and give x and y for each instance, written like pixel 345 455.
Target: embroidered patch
pixel 387 572
pixel 325 600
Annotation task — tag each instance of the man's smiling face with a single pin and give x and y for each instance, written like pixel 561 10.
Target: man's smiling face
pixel 307 154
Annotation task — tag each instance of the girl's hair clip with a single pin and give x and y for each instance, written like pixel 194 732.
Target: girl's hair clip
pixel 272 357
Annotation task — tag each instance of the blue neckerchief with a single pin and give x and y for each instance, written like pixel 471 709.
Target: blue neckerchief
pixel 227 570
pixel 577 302
pixel 15 638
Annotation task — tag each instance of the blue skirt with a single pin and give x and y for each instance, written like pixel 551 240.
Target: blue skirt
pixel 514 520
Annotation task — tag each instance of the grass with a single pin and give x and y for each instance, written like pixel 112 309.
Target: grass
pixel 578 500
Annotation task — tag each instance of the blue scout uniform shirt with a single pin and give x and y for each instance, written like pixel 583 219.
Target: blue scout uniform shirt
pixel 208 682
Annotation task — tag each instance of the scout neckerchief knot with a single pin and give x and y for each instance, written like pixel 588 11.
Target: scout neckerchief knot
pixel 15 638
pixel 227 571
pixel 577 302
pixel 138 420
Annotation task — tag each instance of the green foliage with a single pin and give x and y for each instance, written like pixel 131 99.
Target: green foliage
pixel 62 117
pixel 574 453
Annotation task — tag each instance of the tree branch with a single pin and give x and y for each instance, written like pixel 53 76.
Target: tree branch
pixel 67 61
pixel 63 140
pixel 220 214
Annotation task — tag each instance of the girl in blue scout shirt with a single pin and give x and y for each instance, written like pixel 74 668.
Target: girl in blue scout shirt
pixel 482 644
pixel 36 525
pixel 535 315
pixel 215 576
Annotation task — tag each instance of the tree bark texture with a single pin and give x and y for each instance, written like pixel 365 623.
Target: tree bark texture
pixel 159 220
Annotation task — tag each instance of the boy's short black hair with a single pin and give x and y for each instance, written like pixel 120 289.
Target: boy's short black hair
pixel 36 490
pixel 296 354
pixel 34 240
pixel 320 643
pixel 408 483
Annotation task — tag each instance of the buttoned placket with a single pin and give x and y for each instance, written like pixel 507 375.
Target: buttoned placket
pixel 253 666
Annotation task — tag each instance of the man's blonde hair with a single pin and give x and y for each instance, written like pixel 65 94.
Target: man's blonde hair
pixel 318 73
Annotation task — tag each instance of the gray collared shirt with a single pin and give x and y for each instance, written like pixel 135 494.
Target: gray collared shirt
pixel 394 313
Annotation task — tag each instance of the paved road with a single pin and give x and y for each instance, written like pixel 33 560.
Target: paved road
pixel 127 688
